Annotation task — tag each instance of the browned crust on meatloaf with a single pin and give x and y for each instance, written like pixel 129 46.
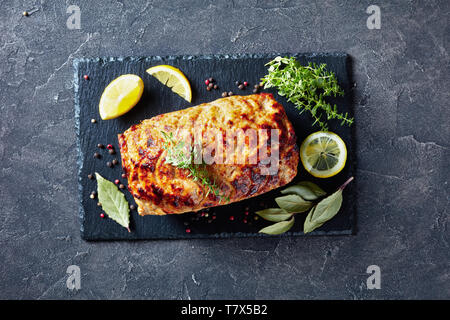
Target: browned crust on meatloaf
pixel 160 188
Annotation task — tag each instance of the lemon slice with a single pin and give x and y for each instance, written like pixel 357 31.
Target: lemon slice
pixel 323 154
pixel 122 94
pixel 174 79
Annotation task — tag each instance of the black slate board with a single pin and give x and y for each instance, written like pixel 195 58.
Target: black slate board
pixel 157 99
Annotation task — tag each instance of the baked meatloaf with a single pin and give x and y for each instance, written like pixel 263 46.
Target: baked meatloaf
pixel 160 187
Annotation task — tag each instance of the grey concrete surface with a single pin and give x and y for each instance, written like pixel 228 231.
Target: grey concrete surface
pixel 402 115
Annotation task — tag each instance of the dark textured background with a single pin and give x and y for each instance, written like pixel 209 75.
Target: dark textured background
pixel 402 116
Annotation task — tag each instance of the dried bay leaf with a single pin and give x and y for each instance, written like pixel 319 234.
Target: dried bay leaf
pixel 279 227
pixel 274 214
pixel 113 201
pixel 323 211
pixel 293 203
pixel 305 189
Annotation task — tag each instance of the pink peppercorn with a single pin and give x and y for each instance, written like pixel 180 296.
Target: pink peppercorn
pixel 231 218
pixel 206 81
pixel 109 146
pixel 188 230
pixel 86 77
pixel 116 181
pixel 245 83
pixel 102 215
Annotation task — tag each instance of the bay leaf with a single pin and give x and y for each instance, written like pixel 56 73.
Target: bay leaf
pixel 323 211
pixel 279 227
pixel 274 214
pixel 113 201
pixel 293 203
pixel 309 226
pixel 305 189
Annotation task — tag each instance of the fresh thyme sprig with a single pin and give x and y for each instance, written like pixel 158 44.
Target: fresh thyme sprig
pixel 306 87
pixel 178 156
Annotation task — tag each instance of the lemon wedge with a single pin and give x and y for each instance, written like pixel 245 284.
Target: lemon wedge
pixel 174 79
pixel 323 154
pixel 122 94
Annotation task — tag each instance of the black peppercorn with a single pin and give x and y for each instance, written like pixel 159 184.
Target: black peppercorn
pixel 132 207
pixel 97 155
pixel 111 151
pixel 109 164
pixel 237 83
pixel 216 87
pixel 90 176
pixel 208 88
pixel 121 186
pixel 255 90
pixel 100 146
pixel 241 87
pixel 114 162
pixel 211 80
pixel 224 94
pixel 124 175
pixel 211 85
pixel 230 93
